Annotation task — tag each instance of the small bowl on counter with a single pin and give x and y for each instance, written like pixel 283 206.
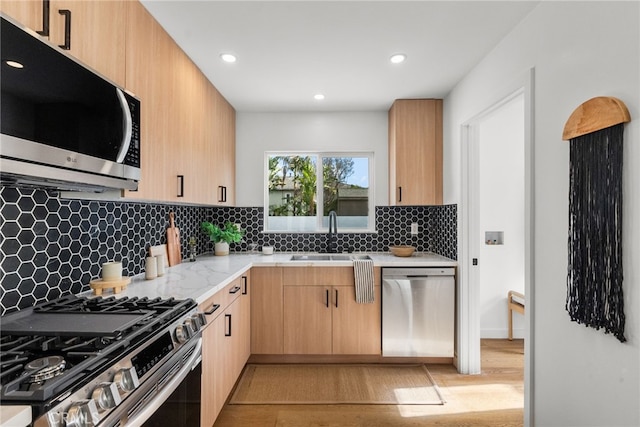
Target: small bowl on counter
pixel 402 250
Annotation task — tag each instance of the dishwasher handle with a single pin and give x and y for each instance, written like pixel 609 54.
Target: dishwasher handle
pixel 413 272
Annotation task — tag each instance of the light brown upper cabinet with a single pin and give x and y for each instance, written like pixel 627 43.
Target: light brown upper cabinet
pixel 225 152
pixel 188 128
pixel 147 46
pixel 415 152
pixel 91 31
pixel 28 13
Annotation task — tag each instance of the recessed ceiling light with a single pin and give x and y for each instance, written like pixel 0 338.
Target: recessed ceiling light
pixel 318 97
pixel 14 64
pixel 398 58
pixel 228 57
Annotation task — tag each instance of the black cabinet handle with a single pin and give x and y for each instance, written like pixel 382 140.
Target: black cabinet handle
pixel 222 197
pixel 67 29
pixel 244 284
pixel 234 290
pixel 213 308
pixel 227 333
pixel 180 185
pixel 327 297
pixel 399 194
pixel 46 12
pixel 336 298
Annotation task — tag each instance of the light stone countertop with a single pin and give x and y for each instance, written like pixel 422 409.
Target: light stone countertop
pixel 15 416
pixel 201 279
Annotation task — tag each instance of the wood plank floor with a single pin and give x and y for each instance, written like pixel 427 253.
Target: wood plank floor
pixel 494 398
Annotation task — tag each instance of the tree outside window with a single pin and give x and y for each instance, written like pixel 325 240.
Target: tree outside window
pixel 297 186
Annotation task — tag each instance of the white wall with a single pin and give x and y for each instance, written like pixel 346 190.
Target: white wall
pixel 581 377
pixel 339 132
pixel 501 200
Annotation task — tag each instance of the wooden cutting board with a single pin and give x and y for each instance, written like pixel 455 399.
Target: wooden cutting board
pixel 173 242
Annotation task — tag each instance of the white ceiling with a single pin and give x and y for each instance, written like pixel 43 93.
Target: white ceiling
pixel 290 50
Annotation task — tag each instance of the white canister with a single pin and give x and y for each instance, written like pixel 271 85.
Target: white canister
pixel 111 271
pixel 160 264
pixel 267 250
pixel 150 268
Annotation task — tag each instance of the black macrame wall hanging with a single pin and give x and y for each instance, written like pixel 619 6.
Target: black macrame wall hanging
pixel 594 279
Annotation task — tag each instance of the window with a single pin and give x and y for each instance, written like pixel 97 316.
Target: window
pixel 302 189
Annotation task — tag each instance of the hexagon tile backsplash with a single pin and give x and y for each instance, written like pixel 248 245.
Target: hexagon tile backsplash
pixel 51 247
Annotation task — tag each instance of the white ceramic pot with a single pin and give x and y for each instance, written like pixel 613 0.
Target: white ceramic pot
pixel 221 248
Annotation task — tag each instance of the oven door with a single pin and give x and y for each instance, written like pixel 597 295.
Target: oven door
pixel 170 398
pixel 182 408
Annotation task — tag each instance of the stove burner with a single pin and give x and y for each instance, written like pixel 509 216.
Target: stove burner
pixel 45 368
pixel 61 346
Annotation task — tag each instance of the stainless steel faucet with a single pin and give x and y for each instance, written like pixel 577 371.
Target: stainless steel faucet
pixel 332 235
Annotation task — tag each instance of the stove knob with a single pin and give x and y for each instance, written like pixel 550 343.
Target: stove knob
pixel 192 324
pixel 126 379
pixel 106 396
pixel 198 320
pixel 182 333
pixel 82 413
pixel 202 319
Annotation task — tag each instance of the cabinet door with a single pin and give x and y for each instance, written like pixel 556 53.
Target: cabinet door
pixel 356 327
pixel 212 371
pixel 244 321
pixel 415 152
pixel 267 310
pixel 186 129
pixel 145 77
pixel 224 146
pixel 97 38
pixel 98 30
pixel 307 320
pixel 27 13
pixel 231 347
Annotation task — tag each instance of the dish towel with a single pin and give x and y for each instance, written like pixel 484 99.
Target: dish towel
pixel 364 280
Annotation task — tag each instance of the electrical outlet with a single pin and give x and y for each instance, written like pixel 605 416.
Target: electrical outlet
pixel 238 226
pixel 414 228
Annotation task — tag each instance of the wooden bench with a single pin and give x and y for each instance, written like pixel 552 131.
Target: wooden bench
pixel 515 302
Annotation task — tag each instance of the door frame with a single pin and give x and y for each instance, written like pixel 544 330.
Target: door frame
pixel 469 237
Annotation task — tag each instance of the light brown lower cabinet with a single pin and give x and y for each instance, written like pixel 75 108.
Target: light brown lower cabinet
pixel 266 310
pixel 226 345
pixel 312 310
pixel 357 328
pixel 327 320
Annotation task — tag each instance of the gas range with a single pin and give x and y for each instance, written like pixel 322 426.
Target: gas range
pixel 81 361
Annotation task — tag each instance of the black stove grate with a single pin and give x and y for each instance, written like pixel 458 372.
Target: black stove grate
pixel 88 347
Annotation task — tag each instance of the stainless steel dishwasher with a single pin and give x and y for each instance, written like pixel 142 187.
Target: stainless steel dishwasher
pixel 418 308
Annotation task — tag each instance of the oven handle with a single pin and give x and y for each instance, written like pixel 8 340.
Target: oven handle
pixel 157 401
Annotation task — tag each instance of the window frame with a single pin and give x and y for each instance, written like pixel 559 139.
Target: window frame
pixel 319 155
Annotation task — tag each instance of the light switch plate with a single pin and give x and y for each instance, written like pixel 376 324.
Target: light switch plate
pixel 414 228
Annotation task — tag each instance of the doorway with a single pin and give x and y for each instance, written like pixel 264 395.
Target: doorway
pixel 500 188
pixel 472 237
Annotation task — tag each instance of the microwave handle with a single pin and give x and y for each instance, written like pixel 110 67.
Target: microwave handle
pixel 127 126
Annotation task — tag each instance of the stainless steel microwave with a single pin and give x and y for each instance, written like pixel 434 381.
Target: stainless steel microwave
pixel 62 124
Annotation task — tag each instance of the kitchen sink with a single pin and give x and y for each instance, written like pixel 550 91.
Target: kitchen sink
pixel 328 257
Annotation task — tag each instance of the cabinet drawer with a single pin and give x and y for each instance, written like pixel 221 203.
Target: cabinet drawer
pixel 224 297
pixel 317 276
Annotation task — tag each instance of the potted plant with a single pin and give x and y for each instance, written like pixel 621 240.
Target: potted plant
pixel 222 236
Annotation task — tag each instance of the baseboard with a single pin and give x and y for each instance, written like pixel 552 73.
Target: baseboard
pixel 500 333
pixel 317 358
